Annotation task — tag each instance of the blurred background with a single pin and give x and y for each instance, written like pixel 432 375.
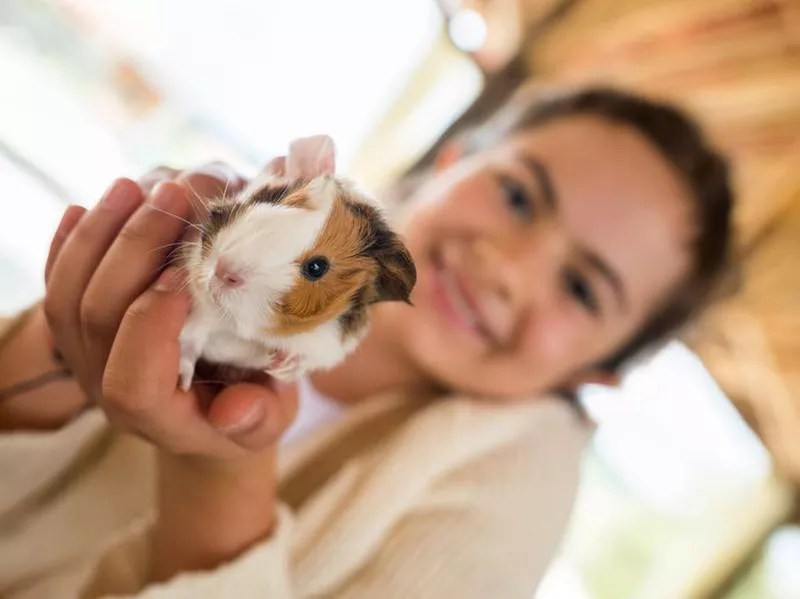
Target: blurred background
pixel 688 489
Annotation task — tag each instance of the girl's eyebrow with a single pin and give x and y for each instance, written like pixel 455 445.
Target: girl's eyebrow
pixel 541 175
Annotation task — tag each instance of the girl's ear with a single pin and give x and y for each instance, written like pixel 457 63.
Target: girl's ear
pixel 450 153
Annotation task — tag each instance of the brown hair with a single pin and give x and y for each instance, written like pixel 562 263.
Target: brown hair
pixel 681 142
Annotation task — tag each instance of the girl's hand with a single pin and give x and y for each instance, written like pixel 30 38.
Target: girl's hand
pixel 117 326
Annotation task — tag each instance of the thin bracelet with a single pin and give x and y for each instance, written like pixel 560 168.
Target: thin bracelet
pixel 34 383
pixel 51 376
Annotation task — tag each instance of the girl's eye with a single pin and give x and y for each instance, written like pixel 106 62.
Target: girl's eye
pixel 579 288
pixel 517 198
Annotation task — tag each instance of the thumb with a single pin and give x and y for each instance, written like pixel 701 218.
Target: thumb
pixel 254 415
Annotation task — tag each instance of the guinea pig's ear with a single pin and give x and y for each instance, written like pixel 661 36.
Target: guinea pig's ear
pixel 311 157
pixel 397 274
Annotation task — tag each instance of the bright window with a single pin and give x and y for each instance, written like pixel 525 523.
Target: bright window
pixel 95 89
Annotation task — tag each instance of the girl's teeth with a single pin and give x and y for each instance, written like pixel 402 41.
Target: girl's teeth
pixel 459 302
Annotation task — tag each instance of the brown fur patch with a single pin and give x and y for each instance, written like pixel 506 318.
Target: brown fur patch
pixel 312 303
pixel 368 264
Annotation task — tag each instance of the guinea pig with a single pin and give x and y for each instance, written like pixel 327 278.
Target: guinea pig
pixel 282 275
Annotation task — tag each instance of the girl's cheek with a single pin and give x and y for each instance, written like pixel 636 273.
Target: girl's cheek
pixel 552 337
pixel 483 198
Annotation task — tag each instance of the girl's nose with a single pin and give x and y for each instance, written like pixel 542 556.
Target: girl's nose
pixel 497 269
pixel 522 270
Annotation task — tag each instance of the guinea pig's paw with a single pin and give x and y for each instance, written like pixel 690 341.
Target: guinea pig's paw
pixel 285 366
pixel 277 357
pixel 186 371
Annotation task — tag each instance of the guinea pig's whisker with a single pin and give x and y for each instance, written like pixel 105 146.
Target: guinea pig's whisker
pixel 194 191
pixel 180 218
pixel 198 206
pixel 227 185
pixel 202 202
pixel 199 203
pixel 169 263
pixel 194 277
pixel 175 258
pixel 188 281
pixel 164 247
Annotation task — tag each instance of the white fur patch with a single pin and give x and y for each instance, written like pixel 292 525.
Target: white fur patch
pixel 264 246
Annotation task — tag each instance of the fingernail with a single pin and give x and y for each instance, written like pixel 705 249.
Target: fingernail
pixel 217 170
pixel 170 280
pixel 69 219
pixel 120 194
pixel 164 196
pixel 247 421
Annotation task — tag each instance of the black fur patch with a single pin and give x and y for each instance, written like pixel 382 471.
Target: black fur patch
pixel 379 237
pixel 217 218
pixel 273 193
pixel 397 272
pixel 356 316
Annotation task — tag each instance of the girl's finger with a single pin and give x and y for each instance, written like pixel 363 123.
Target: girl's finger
pixel 155 176
pixel 91 236
pixel 140 381
pixel 69 219
pixel 130 266
pixel 276 167
pixel 143 363
pixel 220 176
pixel 210 182
pixel 78 258
pixel 254 414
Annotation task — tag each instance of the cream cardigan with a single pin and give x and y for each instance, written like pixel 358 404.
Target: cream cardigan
pixel 399 499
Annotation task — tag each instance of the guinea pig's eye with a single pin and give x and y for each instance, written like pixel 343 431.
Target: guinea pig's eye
pixel 315 268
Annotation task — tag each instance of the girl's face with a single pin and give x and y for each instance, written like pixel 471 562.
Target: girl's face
pixel 541 257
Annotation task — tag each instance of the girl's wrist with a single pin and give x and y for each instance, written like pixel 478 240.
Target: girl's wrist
pixel 220 468
pixel 211 510
pixel 37 390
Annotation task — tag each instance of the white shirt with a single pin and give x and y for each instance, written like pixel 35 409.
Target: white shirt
pixel 314 410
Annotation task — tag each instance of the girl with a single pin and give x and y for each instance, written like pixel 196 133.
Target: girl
pixel 553 244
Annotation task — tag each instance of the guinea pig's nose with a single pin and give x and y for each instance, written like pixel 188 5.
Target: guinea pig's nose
pixel 226 275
